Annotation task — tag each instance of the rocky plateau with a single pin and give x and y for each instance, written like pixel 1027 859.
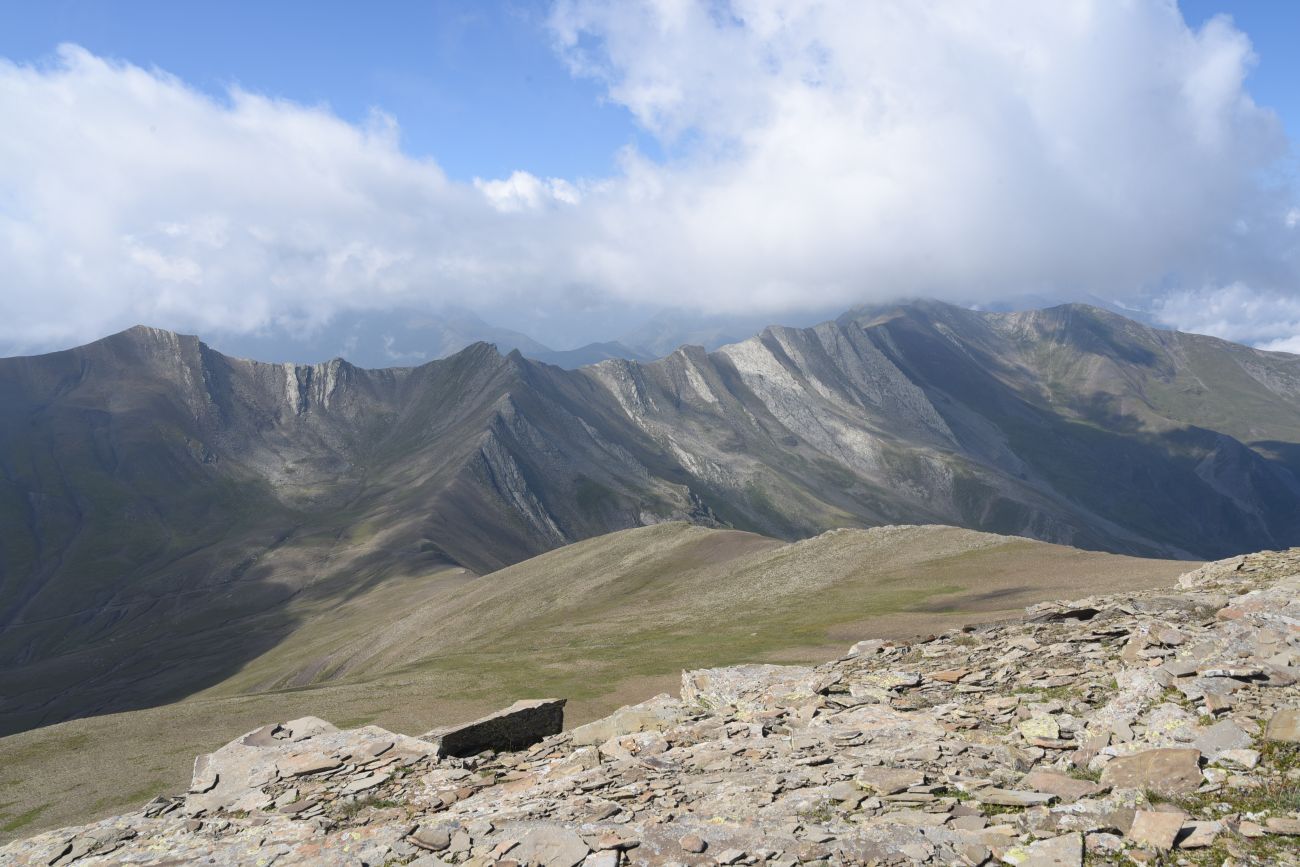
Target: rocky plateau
pixel 1146 727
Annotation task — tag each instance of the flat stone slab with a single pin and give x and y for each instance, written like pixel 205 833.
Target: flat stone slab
pixel 1284 726
pixel 551 847
pixel 235 777
pixel 746 686
pixel 1169 771
pixel 1012 797
pixel 521 725
pixel 1040 725
pixel 1062 785
pixel 1156 830
pixel 1221 737
pixel 1063 851
pixel 890 781
pixel 654 715
pixel 1199 835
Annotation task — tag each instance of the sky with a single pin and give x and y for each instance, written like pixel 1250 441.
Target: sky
pixel 567 169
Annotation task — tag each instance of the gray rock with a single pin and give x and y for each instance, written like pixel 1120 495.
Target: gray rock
pixel 551 846
pixel 654 715
pixel 745 686
pixel 433 838
pixel 1065 787
pixel 890 781
pixel 1169 771
pixel 522 724
pixel 1063 851
pixel 606 858
pixel 1243 759
pixel 1283 825
pixel 693 843
pixel 1221 736
pixel 1284 726
pixel 1012 798
pixel 1199 835
pixel 1156 830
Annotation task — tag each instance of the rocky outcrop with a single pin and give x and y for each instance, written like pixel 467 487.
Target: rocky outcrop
pixel 1121 729
pixel 521 725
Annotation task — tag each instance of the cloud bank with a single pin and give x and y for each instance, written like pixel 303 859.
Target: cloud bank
pixel 818 154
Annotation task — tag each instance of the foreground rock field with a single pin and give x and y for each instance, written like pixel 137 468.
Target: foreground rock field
pixel 1159 727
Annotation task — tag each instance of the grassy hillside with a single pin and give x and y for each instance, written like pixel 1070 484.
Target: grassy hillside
pixel 603 622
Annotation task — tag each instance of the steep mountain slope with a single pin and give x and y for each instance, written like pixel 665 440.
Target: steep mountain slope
pixel 163 504
pixel 603 622
pixel 170 513
pixel 1071 424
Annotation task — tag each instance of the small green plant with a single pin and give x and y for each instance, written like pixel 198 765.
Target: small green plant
pixel 372 802
pixel 1280 757
pixel 1050 693
pixel 1084 774
pixel 824 812
pixel 954 793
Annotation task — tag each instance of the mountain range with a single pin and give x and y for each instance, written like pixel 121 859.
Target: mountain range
pixel 168 510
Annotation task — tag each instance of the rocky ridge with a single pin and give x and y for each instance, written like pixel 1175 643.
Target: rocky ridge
pixel 1147 727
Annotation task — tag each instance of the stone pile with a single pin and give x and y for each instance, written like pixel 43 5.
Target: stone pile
pixel 1150 728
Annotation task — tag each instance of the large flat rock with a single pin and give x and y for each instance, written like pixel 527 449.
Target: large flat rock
pixel 521 725
pixel 1171 771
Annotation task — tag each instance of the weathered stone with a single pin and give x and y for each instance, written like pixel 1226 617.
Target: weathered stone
pixel 1063 851
pixel 1156 830
pixel 746 686
pixel 1040 725
pixel 889 781
pixel 1223 735
pixel 304 764
pixel 693 843
pixel 551 847
pixel 431 837
pixel 1012 798
pixel 522 724
pixel 1284 726
pixel 1169 771
pixel 1065 787
pixel 653 715
pixel 1244 759
pixel 606 858
pixel 1199 835
pixel 1282 825
pixel 949 675
pixel 1181 667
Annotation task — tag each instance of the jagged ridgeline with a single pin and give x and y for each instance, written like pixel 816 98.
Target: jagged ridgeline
pixel 169 511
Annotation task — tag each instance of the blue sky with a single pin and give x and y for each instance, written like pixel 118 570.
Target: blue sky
pixel 599 161
pixel 476 85
pixel 1274 30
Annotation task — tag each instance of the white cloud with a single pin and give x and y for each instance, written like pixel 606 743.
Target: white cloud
pixel 821 153
pixel 127 196
pixel 523 191
pixel 1237 312
pixel 842 150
